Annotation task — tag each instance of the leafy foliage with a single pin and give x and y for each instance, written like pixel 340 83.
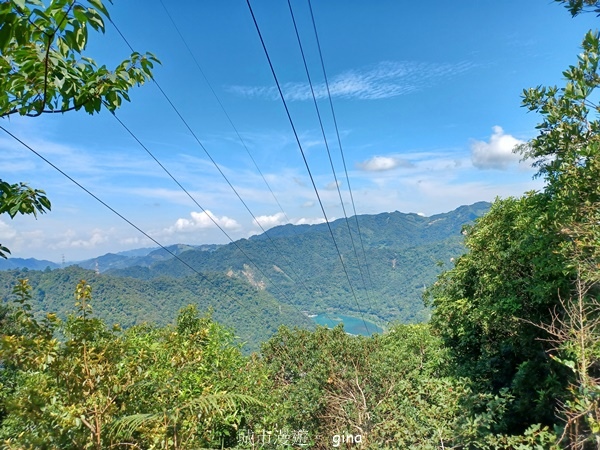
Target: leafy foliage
pixel 253 314
pixel 186 396
pixel 188 385
pixel 392 391
pixel 508 303
pixel 569 148
pixel 576 7
pixel 19 198
pixel 98 387
pixel 42 65
pixel 511 272
pixel 43 70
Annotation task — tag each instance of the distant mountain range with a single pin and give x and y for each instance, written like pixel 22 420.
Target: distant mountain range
pixel 140 257
pixel 143 257
pixel 29 263
pixel 296 269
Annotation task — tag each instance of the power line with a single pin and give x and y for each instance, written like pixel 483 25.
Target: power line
pixel 339 141
pixel 283 256
pixel 176 110
pixel 337 184
pixel 200 206
pixel 191 53
pixel 114 211
pixel 223 109
pixel 305 160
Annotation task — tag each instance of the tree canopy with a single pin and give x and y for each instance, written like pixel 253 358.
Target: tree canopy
pixel 511 358
pixel 44 69
pixel 519 310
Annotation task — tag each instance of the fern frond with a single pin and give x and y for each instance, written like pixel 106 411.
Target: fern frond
pixel 127 425
pixel 221 402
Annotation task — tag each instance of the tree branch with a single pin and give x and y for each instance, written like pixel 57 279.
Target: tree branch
pixel 51 37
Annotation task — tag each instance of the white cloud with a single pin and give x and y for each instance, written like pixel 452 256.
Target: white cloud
pixel 160 193
pixel 497 153
pixel 270 221
pixel 94 240
pixel 6 231
pixel 383 163
pixel 202 220
pixel 133 240
pixel 332 186
pixel 71 239
pixel 311 221
pixel 383 80
pixel 279 219
pixel 76 160
pixel 299 182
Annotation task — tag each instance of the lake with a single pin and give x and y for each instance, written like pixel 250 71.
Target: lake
pixel 352 325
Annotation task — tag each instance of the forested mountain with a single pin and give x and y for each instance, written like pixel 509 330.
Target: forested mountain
pixel 300 266
pixel 297 273
pixel 29 263
pixel 395 229
pixel 139 257
pixel 253 314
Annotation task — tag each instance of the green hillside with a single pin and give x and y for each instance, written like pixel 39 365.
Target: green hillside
pixel 297 273
pixel 254 315
pixel 300 266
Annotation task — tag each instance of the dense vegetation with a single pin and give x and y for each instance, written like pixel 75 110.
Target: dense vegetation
pixel 299 266
pixel 188 386
pixel 510 359
pixel 253 314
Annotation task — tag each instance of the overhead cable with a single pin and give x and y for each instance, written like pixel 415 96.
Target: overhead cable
pixel 176 110
pixel 114 211
pixel 337 184
pixel 242 141
pixel 266 233
pixel 337 131
pixel 305 160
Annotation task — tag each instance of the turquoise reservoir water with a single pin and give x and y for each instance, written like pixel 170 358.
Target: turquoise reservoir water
pixel 352 325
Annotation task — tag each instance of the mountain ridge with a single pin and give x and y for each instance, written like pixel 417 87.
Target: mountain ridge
pixel 146 256
pixel 403 253
pixel 288 277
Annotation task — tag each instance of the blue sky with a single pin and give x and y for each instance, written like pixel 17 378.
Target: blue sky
pixel 426 94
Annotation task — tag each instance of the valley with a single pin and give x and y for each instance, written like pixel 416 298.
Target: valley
pixel 279 278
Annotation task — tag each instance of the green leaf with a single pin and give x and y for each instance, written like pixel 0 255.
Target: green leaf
pixel 80 13
pixel 100 7
pixel 20 3
pixel 6 34
pixel 4 251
